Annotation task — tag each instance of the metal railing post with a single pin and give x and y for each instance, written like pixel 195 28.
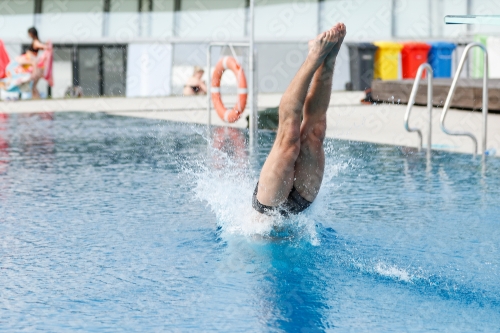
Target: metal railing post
pixel 411 101
pixel 209 86
pixel 253 126
pixel 451 93
pixel 485 101
pixel 430 97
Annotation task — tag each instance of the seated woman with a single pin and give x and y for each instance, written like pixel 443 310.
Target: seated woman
pixel 23 73
pixel 194 85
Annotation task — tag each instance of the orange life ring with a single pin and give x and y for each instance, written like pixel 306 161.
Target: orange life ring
pixel 227 115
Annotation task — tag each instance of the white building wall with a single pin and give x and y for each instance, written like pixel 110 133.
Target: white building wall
pixel 70 27
pixel 162 19
pixel 123 20
pixel 80 20
pixel 211 20
pixel 15 26
pixel 282 28
pixel 16 17
pixel 149 69
pixel 364 19
pixel 486 7
pixel 412 19
pixel 70 21
pixel 162 24
pixel 494 57
pixel 284 19
pixel 449 7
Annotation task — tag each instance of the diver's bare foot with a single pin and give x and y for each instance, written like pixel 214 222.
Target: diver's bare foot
pixel 322 45
pixel 340 31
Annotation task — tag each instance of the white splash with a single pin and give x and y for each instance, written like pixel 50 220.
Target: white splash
pixel 227 183
pixel 393 272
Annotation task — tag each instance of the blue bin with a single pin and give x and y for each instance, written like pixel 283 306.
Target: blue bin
pixel 440 58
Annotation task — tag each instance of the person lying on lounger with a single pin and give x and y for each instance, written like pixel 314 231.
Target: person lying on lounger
pixel 195 85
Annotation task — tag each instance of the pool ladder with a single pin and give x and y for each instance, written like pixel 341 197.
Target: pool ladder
pixel 451 93
pixel 411 101
pixel 449 98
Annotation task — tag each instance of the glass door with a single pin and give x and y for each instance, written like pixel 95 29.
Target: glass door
pixel 114 75
pixel 89 68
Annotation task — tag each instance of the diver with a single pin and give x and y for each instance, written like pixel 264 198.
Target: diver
pixel 291 176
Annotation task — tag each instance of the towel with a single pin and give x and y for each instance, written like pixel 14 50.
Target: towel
pixel 45 62
pixel 4 60
pixel 18 77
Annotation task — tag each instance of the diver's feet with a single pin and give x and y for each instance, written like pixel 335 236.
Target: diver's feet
pixel 340 31
pixel 322 45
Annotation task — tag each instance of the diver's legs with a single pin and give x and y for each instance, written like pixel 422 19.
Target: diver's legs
pixel 310 164
pixel 277 175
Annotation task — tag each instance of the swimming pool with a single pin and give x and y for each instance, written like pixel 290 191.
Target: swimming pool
pixel 124 224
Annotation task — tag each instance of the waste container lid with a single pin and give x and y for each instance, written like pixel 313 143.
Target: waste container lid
pixel 416 46
pixel 362 45
pixel 442 45
pixel 388 45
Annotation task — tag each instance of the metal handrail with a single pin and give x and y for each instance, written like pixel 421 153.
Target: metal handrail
pixel 411 101
pixel 451 93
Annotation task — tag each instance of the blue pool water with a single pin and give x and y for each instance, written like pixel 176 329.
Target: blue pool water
pixel 123 224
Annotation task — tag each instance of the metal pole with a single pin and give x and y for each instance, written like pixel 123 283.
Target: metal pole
pixel 485 103
pixel 393 18
pixel 411 101
pixel 209 86
pixel 469 12
pixel 430 76
pixel 451 93
pixel 253 110
pixel 320 9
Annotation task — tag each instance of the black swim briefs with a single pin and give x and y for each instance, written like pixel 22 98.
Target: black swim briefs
pixel 294 204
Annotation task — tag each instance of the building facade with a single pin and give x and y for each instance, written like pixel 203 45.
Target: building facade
pixel 148 47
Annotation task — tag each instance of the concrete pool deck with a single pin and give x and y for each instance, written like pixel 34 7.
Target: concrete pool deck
pixel 348 119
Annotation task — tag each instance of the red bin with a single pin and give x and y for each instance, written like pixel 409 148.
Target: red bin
pixel 412 56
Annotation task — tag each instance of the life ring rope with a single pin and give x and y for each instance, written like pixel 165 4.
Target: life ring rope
pixel 229 115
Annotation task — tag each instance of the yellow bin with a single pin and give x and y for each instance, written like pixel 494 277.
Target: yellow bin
pixel 387 60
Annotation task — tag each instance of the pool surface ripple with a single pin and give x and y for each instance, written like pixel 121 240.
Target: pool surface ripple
pixel 124 224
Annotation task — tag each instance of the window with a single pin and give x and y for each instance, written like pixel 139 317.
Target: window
pixel 17 7
pixel 72 6
pixel 163 5
pixel 124 6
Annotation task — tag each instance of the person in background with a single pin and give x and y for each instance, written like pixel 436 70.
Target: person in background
pixel 36 44
pixel 23 73
pixel 73 91
pixel 194 85
pixel 32 55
